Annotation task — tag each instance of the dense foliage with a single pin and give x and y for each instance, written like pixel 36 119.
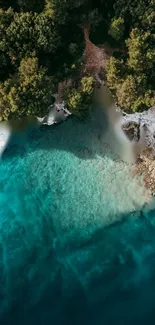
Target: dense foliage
pixel 131 76
pixel 28 92
pixel 42 44
pixel 79 98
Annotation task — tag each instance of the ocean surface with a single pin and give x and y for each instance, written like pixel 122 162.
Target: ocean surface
pixel 77 243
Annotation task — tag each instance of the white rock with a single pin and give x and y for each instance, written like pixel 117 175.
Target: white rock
pixel 57 113
pixel 147 122
pixel 5 133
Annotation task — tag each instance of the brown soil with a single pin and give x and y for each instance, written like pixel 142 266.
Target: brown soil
pixel 94 59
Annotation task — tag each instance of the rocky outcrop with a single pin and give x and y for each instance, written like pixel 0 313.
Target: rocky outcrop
pixel 131 125
pixel 57 113
pixel 145 165
pixel 132 130
pixel 5 134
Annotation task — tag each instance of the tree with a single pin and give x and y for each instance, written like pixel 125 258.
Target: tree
pixel 87 85
pixel 132 78
pixel 136 14
pixel 20 35
pixel 77 11
pixel 133 96
pixel 46 36
pixel 79 99
pixel 127 92
pixel 116 29
pixel 132 92
pixel 29 92
pixel 42 43
pixel 115 72
pixel 29 32
pixel 148 18
pixel 141 53
pixel 132 11
pixel 6 18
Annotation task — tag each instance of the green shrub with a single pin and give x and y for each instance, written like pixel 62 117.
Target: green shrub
pixel 115 71
pixel 117 28
pixel 87 85
pixel 79 100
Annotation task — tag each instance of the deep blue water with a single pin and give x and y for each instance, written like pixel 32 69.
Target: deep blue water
pixel 76 246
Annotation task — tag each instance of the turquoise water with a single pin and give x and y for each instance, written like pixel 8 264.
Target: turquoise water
pixel 76 244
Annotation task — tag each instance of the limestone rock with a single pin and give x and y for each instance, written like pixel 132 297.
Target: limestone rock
pixel 57 113
pixel 145 119
pixel 5 134
pixel 132 130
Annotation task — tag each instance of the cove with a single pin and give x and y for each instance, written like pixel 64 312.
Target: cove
pixel 76 246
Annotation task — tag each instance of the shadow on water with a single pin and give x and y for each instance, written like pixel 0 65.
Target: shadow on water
pixel 109 280
pixel 83 138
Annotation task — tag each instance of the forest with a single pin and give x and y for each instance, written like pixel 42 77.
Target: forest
pixel 43 45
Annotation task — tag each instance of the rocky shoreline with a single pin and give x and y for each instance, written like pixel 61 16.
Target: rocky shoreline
pixel 145 119
pixel 145 164
pixel 5 134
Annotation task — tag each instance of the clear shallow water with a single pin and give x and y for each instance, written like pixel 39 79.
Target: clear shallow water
pixel 75 247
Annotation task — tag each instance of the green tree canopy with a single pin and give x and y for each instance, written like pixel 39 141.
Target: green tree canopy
pixel 132 78
pixel 42 43
pixel 77 11
pixel 132 91
pixel 19 36
pixel 46 36
pixel 116 29
pixel 23 33
pixel 79 99
pixel 132 11
pixel 140 49
pixel 29 92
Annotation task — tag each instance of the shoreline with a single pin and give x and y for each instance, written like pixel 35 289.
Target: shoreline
pixel 145 164
pixel 131 124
